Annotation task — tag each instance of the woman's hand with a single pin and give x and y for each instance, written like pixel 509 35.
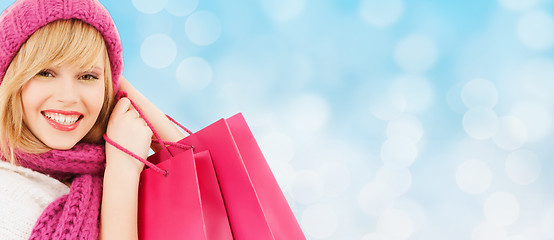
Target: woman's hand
pixel 127 129
pixel 163 126
pixel 137 97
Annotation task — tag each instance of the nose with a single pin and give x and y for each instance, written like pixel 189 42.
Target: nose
pixel 66 90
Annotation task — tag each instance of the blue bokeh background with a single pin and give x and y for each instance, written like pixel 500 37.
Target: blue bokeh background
pixel 381 120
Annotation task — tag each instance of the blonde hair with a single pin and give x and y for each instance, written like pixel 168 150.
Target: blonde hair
pixel 61 42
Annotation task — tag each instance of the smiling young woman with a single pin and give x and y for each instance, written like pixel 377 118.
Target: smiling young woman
pixel 60 67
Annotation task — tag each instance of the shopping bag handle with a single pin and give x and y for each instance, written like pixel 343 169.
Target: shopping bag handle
pixel 157 139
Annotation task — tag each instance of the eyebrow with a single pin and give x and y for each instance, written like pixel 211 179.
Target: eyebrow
pixel 96 68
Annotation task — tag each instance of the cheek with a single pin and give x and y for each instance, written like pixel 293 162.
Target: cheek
pixel 95 99
pixel 31 97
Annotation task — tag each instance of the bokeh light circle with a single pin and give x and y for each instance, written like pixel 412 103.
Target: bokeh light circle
pixel 480 123
pixel 154 24
pixel 376 197
pixel 535 80
pixel 407 126
pixel 387 106
pixel 479 93
pixel 283 10
pixel 277 146
pixel 307 187
pixel 416 53
pixel 381 13
pixel 181 8
pixel 203 28
pixel 417 92
pixel 537 119
pixel 307 113
pixel 319 221
pixel 518 5
pixel 194 74
pixel 374 236
pixel 519 237
pixel 395 224
pixel 473 176
pixel 512 133
pixel 158 50
pixel 239 83
pixel 470 148
pixel 501 208
pixel 535 30
pixel 399 151
pixel 488 231
pixel 523 167
pixel 454 100
pixel 547 221
pixel 336 177
pixel 149 6
pixel 398 179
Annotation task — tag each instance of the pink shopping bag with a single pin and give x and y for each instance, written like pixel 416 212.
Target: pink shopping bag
pixel 185 203
pixel 256 206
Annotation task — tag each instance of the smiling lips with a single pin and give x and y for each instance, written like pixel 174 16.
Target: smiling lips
pixel 62 120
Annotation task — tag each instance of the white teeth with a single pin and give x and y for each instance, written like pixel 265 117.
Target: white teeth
pixel 61 118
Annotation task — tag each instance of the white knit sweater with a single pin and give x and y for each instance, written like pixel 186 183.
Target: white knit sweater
pixel 24 194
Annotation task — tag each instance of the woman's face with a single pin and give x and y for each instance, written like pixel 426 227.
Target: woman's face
pixel 61 104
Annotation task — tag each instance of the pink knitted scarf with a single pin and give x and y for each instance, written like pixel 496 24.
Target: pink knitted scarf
pixel 75 215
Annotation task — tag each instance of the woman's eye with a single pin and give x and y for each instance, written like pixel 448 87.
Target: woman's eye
pixel 44 73
pixel 88 77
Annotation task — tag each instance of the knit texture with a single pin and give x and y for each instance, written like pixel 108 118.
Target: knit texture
pixel 19 21
pixel 75 215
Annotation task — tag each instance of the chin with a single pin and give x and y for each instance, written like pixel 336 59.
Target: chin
pixel 61 146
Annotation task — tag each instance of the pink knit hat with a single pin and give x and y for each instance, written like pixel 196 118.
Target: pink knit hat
pixel 19 21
